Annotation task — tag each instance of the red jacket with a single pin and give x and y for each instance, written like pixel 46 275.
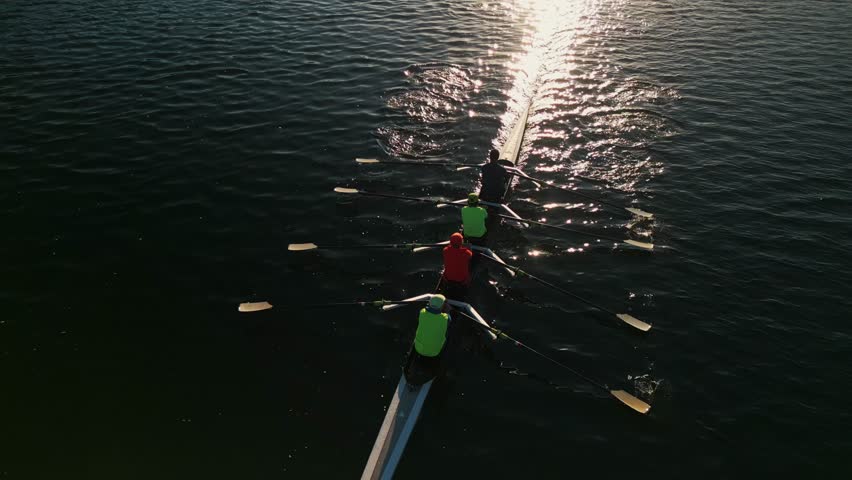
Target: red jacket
pixel 457 263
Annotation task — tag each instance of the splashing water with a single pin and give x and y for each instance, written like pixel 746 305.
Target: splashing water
pixel 645 386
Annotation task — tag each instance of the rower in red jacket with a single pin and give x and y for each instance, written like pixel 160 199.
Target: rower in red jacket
pixel 457 264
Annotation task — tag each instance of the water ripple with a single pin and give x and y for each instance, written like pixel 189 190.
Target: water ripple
pixel 157 157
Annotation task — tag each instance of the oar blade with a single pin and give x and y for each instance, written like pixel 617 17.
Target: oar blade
pixel 644 245
pixel 345 190
pixel 631 401
pixel 366 160
pixel 633 322
pixel 640 213
pixel 248 307
pixel 301 247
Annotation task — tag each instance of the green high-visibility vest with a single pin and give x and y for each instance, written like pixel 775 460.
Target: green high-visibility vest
pixel 431 333
pixel 473 220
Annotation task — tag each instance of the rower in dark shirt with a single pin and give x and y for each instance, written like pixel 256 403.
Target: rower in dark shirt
pixel 494 178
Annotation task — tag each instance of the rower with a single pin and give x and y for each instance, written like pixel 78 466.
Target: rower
pixel 428 342
pixel 456 267
pixel 494 178
pixel 473 220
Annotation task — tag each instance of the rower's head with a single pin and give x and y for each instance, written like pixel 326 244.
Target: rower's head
pixel 437 302
pixel 473 199
pixel 456 239
pixel 494 155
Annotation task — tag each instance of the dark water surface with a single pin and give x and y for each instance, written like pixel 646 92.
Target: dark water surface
pixel 157 158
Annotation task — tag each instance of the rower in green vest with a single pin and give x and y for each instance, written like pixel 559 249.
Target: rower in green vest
pixel 473 220
pixel 424 360
pixel 432 328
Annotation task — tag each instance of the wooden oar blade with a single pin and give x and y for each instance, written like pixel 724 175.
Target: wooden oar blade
pixel 345 190
pixel 631 401
pixel 640 213
pixel 366 160
pixel 254 307
pixel 645 245
pixel 633 322
pixel 301 247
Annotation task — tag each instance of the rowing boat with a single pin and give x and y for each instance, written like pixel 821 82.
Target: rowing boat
pixel 411 392
pixel 408 400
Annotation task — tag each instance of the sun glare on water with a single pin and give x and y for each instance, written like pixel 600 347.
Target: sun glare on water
pixel 550 26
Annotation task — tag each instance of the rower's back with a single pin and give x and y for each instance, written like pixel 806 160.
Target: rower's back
pixel 494 178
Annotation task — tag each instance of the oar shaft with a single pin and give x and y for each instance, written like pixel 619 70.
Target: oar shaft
pixel 500 333
pixel 403 197
pixel 378 246
pixel 429 164
pixel 574 192
pixel 569 190
pixel 548 284
pixel 588 197
pixel 557 227
pixel 518 173
pixel 366 303
pixel 566 367
pixel 566 292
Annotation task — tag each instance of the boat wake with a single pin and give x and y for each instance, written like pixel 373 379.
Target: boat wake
pixel 427 110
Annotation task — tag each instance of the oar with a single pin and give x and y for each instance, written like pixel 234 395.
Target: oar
pixel 372 161
pixel 301 247
pixel 634 211
pixel 249 307
pixel 386 195
pixel 622 396
pixel 624 317
pixel 635 243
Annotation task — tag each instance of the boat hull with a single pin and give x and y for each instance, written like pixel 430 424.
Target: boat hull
pixel 403 412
